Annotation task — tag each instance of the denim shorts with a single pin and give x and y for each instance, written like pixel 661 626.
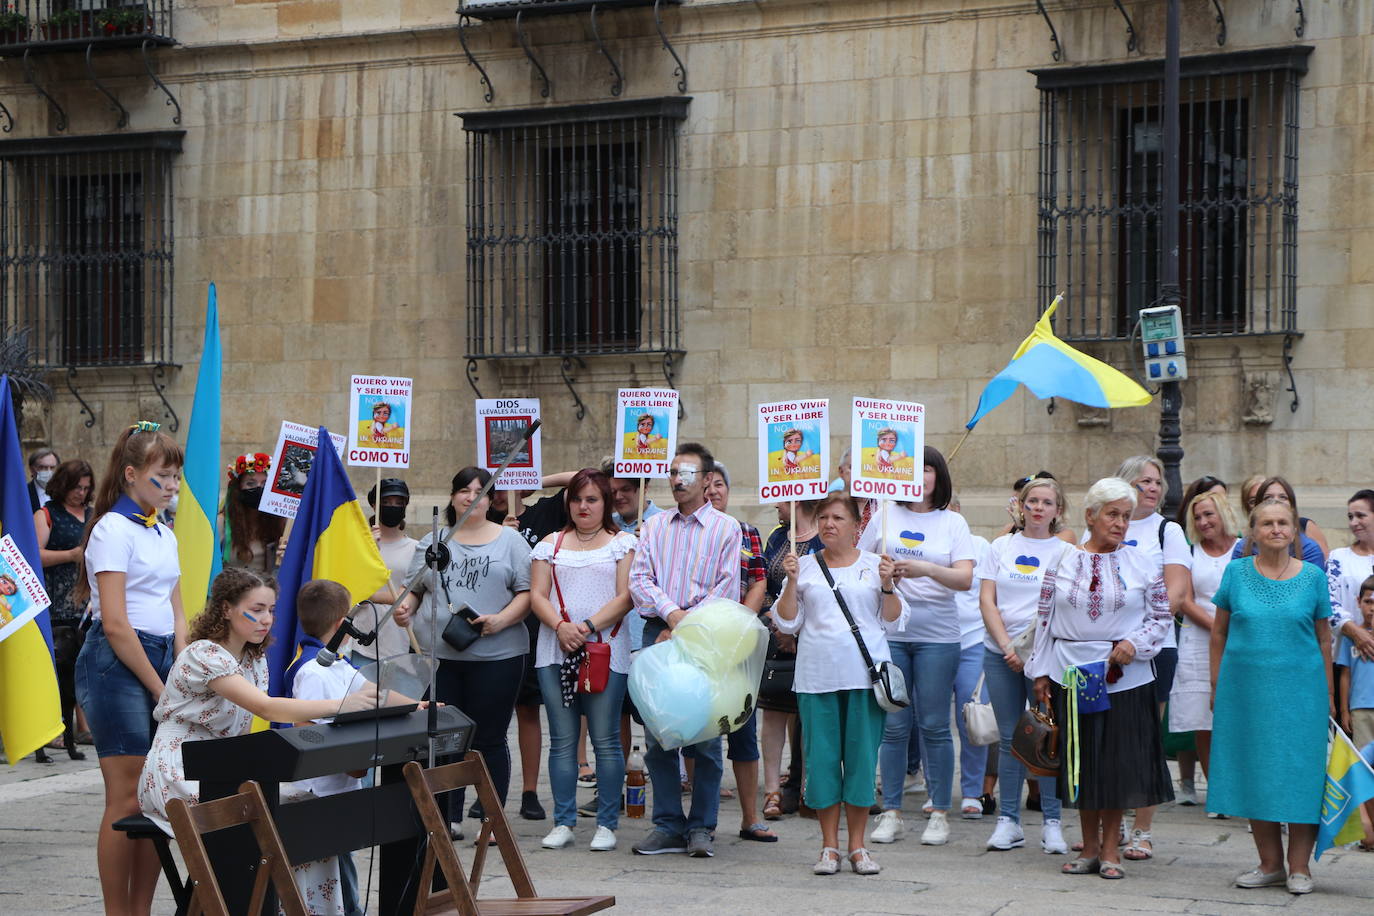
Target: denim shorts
pixel 117 705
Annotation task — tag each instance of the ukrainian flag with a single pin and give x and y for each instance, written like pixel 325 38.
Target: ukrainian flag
pixel 30 714
pixel 1051 368
pixel 1349 784
pixel 331 539
pixel 197 506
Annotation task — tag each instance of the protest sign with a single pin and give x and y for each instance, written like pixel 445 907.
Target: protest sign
pixel 887 454
pixel 645 431
pixel 379 422
pixel 501 424
pixel 21 593
pixel 291 466
pixel 794 450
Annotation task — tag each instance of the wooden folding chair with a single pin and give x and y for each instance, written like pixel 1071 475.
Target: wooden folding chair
pixel 190 823
pixel 461 894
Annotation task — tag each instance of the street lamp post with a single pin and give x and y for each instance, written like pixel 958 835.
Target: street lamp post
pixel 1170 451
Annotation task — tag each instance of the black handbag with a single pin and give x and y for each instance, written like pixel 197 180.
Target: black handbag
pixel 459 631
pixel 775 689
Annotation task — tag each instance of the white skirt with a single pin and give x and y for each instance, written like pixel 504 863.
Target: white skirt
pixel 1190 700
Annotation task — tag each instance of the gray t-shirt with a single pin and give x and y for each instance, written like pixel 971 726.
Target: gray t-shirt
pixel 485 577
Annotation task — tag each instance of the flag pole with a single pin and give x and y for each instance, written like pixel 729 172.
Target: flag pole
pixel 959 445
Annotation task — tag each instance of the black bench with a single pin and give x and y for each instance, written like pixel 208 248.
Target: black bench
pixel 138 827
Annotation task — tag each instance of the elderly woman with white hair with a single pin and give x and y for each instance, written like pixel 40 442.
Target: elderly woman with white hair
pixel 1102 618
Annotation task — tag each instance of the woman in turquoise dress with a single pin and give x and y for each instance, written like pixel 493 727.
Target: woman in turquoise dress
pixel 1271 658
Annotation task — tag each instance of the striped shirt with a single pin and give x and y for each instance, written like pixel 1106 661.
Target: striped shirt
pixel 683 560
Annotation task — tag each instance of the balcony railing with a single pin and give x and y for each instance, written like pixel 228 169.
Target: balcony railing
pixel 38 26
pixel 509 9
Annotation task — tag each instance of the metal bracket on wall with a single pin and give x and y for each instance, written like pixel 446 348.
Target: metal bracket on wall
pixel 465 23
pixel 472 376
pixel 680 71
pixel 158 373
pixel 171 99
pixel 670 373
pixel 1301 30
pixel 1131 42
pixel 114 102
pixel 1288 341
pixel 565 369
pixel 1221 22
pixel 9 118
pixel 524 43
pixel 85 408
pixel 1049 408
pixel 1054 36
pixel 61 124
pixel 618 83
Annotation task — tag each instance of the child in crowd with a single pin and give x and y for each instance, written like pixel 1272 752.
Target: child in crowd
pixel 1357 695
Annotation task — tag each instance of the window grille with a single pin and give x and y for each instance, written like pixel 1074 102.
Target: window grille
pixel 573 229
pixel 86 243
pixel 1101 182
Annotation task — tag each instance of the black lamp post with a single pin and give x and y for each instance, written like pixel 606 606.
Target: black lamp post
pixel 1170 451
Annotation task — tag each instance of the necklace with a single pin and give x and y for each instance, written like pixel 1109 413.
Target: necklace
pixel 1277 573
pixel 585 540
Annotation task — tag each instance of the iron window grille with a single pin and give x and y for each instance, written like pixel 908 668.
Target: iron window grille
pixel 572 218
pixel 86 247
pixel 1100 193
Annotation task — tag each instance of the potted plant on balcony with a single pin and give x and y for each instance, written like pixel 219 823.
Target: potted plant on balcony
pixel 122 20
pixel 14 26
pixel 68 23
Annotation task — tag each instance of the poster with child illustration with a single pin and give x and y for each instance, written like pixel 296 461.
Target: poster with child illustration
pixel 794 450
pixel 21 593
pixel 646 431
pixel 379 422
pixel 887 437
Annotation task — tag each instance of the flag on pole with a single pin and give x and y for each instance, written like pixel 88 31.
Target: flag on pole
pixel 198 504
pixel 30 712
pixel 1349 784
pixel 1051 368
pixel 331 539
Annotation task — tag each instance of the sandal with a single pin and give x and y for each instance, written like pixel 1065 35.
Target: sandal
pixel 585 774
pixel 1136 852
pixel 828 863
pixel 759 833
pixel 726 793
pixel 971 809
pixel 772 806
pixel 1081 866
pixel 862 863
pixel 1365 846
pixel 1110 870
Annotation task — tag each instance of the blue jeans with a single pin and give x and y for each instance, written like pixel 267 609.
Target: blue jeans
pixel 603 726
pixel 973 760
pixel 348 884
pixel 929 669
pixel 1009 692
pixel 665 777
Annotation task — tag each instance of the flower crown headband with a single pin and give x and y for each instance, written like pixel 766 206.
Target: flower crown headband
pixel 245 464
pixel 145 426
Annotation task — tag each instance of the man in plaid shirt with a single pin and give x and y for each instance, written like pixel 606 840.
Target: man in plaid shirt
pixel 743 743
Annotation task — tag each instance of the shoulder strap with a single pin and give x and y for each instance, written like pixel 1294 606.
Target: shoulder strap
pixel 844 609
pixel 1163 524
pixel 553 571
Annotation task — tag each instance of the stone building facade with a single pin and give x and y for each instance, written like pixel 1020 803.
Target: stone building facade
pixel 860 205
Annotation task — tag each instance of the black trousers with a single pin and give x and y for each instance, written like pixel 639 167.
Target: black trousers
pixel 486 693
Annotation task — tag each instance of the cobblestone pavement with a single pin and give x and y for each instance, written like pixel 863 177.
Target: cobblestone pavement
pixel 48 816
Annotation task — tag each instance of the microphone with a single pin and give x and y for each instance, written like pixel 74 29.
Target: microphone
pixel 330 653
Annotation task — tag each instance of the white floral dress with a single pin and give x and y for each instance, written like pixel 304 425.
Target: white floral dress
pixel 190 711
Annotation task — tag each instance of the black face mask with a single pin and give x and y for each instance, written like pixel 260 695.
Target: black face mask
pixel 391 516
pixel 251 497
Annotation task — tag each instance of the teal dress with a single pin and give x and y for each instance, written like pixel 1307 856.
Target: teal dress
pixel 1269 722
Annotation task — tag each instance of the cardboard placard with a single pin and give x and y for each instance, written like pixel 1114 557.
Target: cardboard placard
pixel 291 461
pixel 645 431
pixel 21 593
pixel 794 450
pixel 887 452
pixel 500 424
pixel 379 421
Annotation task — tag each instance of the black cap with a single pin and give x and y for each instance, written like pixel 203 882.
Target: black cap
pixel 391 486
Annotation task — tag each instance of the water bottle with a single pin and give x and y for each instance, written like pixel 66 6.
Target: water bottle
pixel 634 784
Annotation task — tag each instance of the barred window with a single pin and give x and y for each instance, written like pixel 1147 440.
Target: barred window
pixel 86 242
pixel 572 229
pixel 1101 193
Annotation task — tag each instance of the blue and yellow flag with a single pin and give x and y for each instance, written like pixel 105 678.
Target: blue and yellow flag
pixel 1051 368
pixel 197 506
pixel 331 539
pixel 1349 784
pixel 30 714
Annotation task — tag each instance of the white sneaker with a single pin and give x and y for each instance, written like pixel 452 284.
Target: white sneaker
pixel 914 784
pixel 559 837
pixel 1187 793
pixel 1007 835
pixel 937 831
pixel 1052 838
pixel 604 841
pixel 888 827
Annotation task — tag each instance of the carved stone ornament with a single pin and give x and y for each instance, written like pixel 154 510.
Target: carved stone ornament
pixel 1260 389
pixel 1089 417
